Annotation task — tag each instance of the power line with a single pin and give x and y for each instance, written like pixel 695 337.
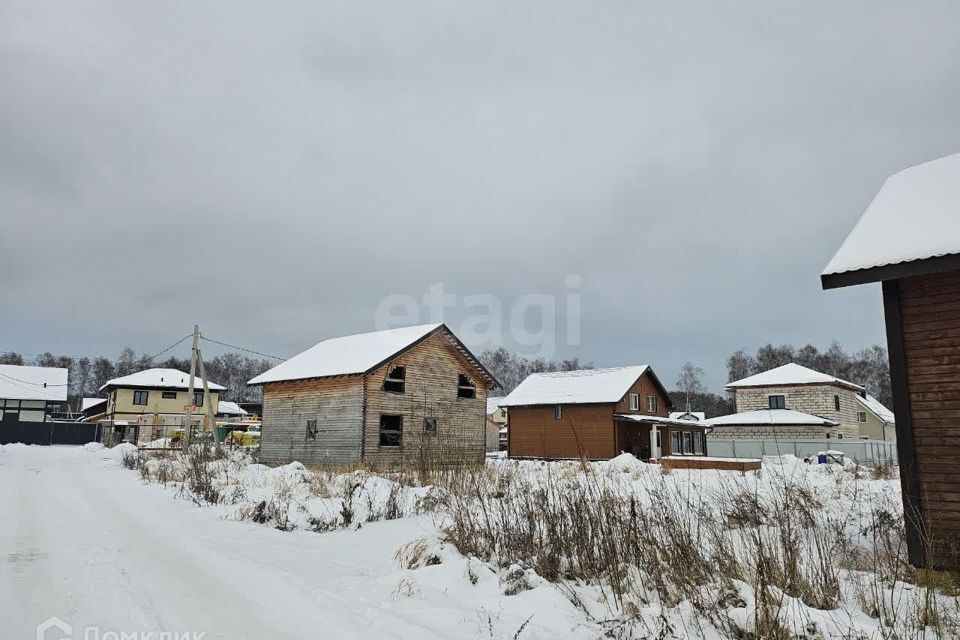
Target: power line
pixel 189 335
pixel 233 346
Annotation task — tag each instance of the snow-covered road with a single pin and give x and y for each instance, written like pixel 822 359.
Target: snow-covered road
pixel 89 543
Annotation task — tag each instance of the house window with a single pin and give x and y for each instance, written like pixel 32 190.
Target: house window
pixel 861 416
pixel 698 443
pixel 777 402
pixel 140 397
pixel 198 398
pixel 395 382
pixel 651 404
pixel 558 412
pixel 687 442
pixel 676 447
pixel 312 429
pixel 430 426
pixel 169 395
pixel 465 388
pixel 634 402
pixel 836 403
pixel 391 431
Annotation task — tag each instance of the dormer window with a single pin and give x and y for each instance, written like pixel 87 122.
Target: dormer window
pixel 465 388
pixel 396 380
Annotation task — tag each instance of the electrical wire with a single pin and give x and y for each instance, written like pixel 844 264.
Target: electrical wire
pixel 233 346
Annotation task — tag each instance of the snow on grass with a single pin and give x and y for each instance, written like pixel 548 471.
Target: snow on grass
pixel 621 547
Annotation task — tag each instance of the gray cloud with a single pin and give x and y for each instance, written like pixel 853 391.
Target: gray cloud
pixel 272 171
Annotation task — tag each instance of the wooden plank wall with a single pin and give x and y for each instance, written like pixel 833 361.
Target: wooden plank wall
pixel 930 313
pixel 583 429
pixel 337 406
pixel 432 369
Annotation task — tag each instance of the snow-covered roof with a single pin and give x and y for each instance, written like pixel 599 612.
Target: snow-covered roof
pixel 33 383
pixel 89 403
pixel 574 387
pixel 230 409
pixel 361 353
pixel 639 417
pixel 790 374
pixel 770 416
pixel 874 405
pixel 160 379
pixel 690 416
pixel 914 216
pixel 493 404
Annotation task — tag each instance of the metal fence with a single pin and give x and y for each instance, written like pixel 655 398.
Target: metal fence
pixel 861 451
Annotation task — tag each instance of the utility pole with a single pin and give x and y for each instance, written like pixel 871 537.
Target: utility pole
pixel 190 395
pixel 208 400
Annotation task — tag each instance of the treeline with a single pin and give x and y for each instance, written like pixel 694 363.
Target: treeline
pixel 87 375
pixel 511 369
pixel 868 367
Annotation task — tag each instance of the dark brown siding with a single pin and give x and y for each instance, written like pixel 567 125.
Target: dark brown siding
pixel 583 430
pixel 930 322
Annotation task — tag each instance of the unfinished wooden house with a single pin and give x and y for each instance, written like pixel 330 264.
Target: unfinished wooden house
pixel 909 239
pixel 597 414
pixel 386 397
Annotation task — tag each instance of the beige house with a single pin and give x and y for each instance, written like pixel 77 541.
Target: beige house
pixel 797 402
pixel 154 393
pixel 389 397
pixel 496 425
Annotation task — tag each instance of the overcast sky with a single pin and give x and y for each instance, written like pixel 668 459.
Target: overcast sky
pixel 273 171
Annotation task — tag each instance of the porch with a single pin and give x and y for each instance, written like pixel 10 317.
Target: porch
pixel 653 437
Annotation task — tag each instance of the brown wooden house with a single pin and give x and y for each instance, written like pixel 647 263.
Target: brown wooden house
pixel 384 397
pixel 596 414
pixel 909 239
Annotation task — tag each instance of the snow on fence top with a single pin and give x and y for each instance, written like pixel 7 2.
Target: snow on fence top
pixel 33 383
pixel 160 379
pixel 349 355
pixel 574 387
pixel 788 374
pixel 871 403
pixel 914 216
pixel 771 417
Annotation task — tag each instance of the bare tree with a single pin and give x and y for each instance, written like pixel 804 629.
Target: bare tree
pixel 690 382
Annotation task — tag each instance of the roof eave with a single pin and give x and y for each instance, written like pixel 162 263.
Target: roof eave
pixel 919 267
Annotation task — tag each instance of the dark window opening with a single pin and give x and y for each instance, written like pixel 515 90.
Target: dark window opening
pixel 169 395
pixel 777 402
pixel 862 416
pixel 312 429
pixel 836 403
pixel 396 379
pixel 198 398
pixel 558 412
pixel 430 426
pixel 391 431
pixel 465 388
pixel 140 397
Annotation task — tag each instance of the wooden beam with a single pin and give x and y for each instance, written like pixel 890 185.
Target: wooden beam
pixel 914 524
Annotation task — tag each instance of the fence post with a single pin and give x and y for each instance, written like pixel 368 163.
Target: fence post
pixel 763 449
pixel 733 446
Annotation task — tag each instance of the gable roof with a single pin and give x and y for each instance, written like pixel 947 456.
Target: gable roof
pixel 876 407
pixel 696 416
pixel 790 374
pixel 89 403
pixel 771 417
pixel 362 353
pixel 911 227
pixel 225 407
pixel 583 386
pixel 159 379
pixel 33 383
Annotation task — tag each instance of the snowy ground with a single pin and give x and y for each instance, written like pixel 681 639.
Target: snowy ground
pixel 89 541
